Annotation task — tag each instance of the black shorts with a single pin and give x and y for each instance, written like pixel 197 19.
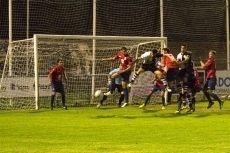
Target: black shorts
pixel 119 88
pixel 188 73
pixel 171 74
pixel 149 67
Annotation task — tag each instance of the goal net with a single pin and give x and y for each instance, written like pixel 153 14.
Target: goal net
pixel 24 83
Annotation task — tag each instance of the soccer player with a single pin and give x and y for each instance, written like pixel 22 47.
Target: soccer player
pixel 210 72
pixel 149 64
pixel 126 65
pixel 158 86
pixel 185 70
pixel 168 60
pixel 55 80
pixel 194 86
pixel 118 85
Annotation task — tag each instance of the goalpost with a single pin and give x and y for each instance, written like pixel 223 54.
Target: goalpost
pixel 24 83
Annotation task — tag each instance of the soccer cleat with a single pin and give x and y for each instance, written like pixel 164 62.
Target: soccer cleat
pixel 98 105
pixel 107 93
pixel 65 107
pixel 221 104
pixel 142 106
pixel 177 112
pixel 163 107
pixel 125 104
pixel 210 105
pixel 190 110
pixel 184 107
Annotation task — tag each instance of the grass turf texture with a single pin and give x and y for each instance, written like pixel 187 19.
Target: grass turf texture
pixel 116 130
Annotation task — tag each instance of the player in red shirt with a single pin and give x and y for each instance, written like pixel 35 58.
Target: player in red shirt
pixel 125 62
pixel 210 73
pixel 168 60
pixel 55 80
pixel 158 86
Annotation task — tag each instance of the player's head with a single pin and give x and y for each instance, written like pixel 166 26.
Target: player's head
pixel 124 51
pixel 60 62
pixel 212 54
pixel 183 48
pixel 166 50
pixel 154 51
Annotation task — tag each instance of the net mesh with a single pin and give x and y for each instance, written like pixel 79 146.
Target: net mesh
pixel 17 85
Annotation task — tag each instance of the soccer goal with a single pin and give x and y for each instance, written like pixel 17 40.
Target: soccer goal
pixel 24 82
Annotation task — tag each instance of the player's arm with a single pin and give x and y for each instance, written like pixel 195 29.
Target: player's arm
pixel 65 76
pixel 109 59
pixel 187 57
pixel 203 65
pixel 50 76
pixel 129 67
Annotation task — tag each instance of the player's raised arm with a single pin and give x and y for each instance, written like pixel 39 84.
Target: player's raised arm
pixel 109 59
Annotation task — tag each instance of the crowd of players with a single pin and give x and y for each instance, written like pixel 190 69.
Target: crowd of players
pixel 167 69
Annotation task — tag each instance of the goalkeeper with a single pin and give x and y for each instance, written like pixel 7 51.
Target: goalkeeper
pixel 118 85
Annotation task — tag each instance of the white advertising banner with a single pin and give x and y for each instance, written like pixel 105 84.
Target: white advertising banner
pixel 223 82
pixel 23 87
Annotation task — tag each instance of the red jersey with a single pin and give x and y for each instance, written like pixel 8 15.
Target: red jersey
pixel 210 70
pixel 159 83
pixel 125 61
pixel 56 73
pixel 167 61
pixel 197 83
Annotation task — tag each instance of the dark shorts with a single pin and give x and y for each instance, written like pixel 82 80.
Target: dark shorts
pixel 119 88
pixel 195 89
pixel 191 83
pixel 149 67
pixel 171 74
pixel 157 88
pixel 210 84
pixel 57 87
pixel 188 73
pixel 125 75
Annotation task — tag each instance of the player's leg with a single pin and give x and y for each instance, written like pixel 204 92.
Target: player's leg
pixel 136 74
pixel 163 98
pixel 147 98
pixel 211 88
pixel 125 80
pixel 171 76
pixel 112 84
pixel 62 92
pixel 120 90
pixel 102 100
pixel 53 93
pixel 207 95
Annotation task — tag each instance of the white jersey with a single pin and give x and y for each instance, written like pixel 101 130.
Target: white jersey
pixel 181 57
pixel 147 58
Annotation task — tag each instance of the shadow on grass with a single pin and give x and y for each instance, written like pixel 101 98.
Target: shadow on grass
pixel 38 111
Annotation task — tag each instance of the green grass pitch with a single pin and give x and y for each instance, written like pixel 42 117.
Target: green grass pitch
pixel 116 130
